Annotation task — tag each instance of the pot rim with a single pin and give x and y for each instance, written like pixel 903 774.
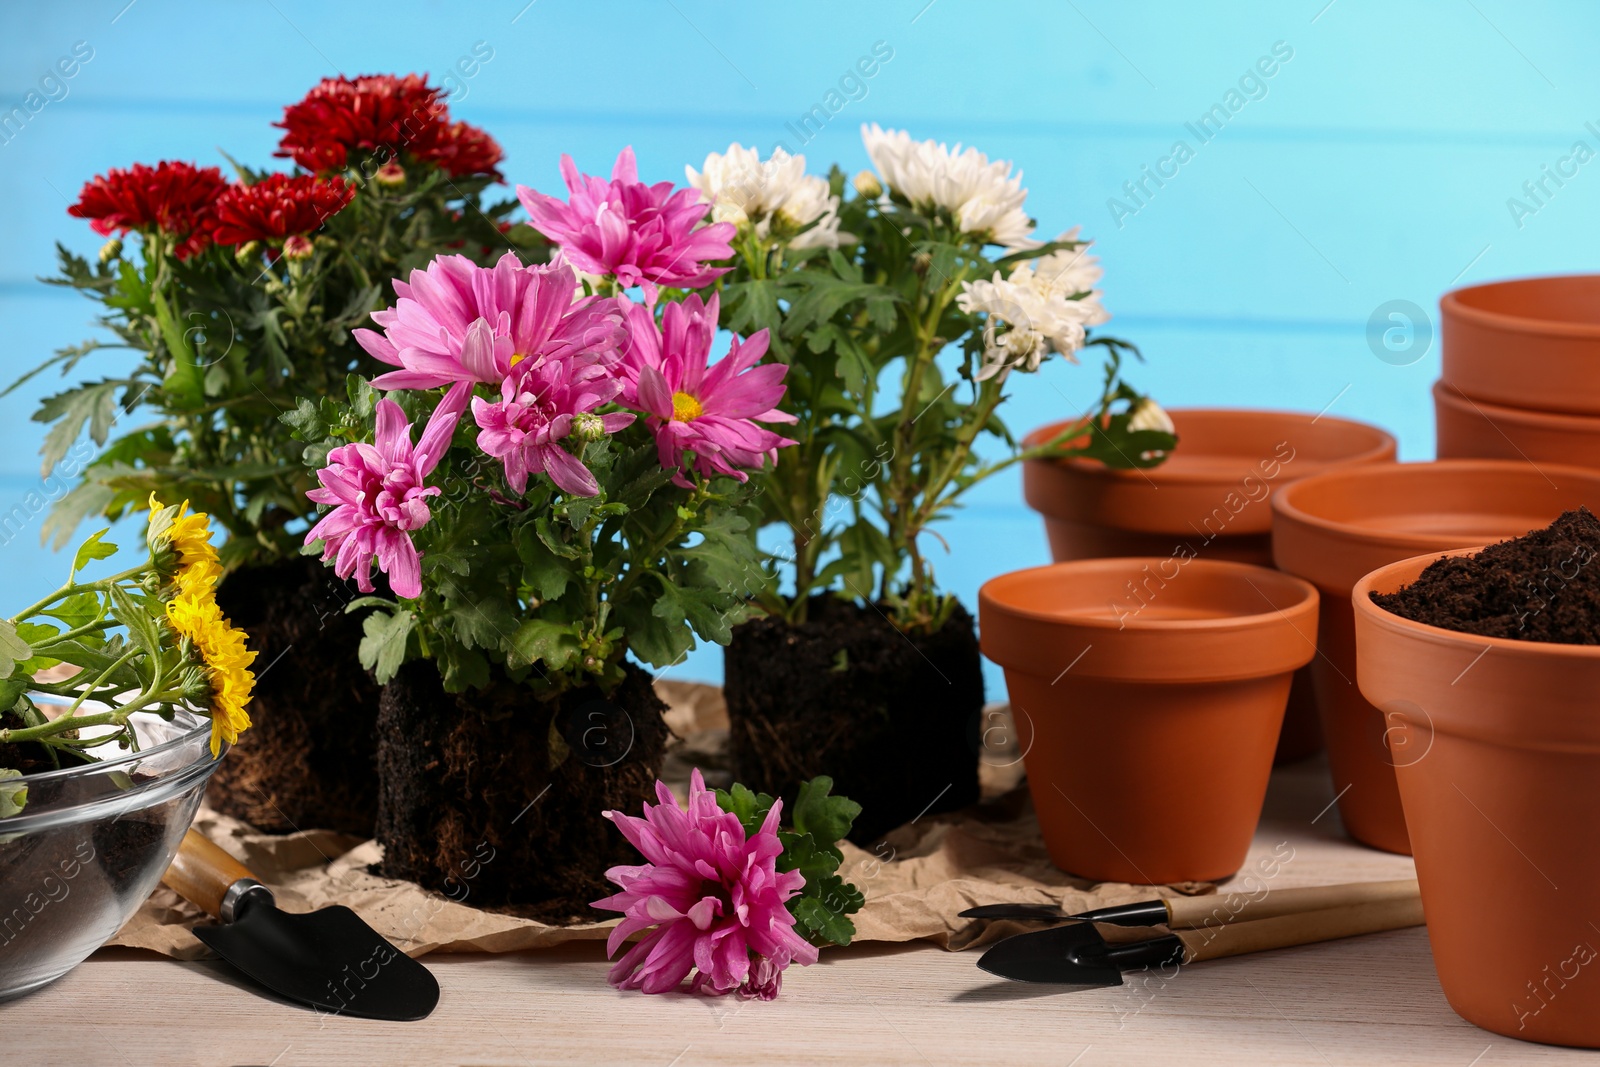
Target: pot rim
pixel 1383 442
pixel 1283 501
pixel 201 723
pixel 1448 395
pixel 1438 635
pixel 1451 304
pixel 1307 591
pixel 141 795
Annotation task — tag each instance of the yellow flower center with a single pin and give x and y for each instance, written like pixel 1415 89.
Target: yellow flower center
pixel 517 357
pixel 685 408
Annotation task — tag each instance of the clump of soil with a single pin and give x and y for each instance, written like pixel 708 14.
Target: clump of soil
pixel 892 717
pixel 309 758
pixel 1543 586
pixel 495 798
pixel 68 888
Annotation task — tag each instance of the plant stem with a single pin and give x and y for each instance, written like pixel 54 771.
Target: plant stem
pixel 118 717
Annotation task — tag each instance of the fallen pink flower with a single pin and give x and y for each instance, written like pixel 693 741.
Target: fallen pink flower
pixel 711 898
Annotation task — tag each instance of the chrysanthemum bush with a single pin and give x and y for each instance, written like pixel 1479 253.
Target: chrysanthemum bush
pixel 238 294
pixel 556 473
pixel 907 306
pixel 146 640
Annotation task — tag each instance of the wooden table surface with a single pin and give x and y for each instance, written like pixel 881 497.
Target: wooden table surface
pixel 1366 1000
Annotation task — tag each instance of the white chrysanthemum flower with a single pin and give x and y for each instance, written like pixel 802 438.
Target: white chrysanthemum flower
pixel 776 192
pixel 1045 305
pixel 1148 415
pixel 982 197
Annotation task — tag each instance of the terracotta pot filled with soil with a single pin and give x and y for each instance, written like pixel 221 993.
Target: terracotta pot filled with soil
pixel 892 717
pixel 1490 661
pixel 1147 722
pixel 1334 528
pixel 1468 428
pixel 1531 343
pixel 496 798
pixel 309 760
pixel 1208 499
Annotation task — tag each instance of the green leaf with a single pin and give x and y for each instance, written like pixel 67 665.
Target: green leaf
pixel 750 807
pixel 93 549
pixel 11 690
pixel 383 644
pixel 140 620
pixel 68 513
pixel 553 540
pixel 74 611
pixel 13 794
pixel 13 649
pixel 306 421
pixel 546 573
pixel 820 921
pixel 826 818
pixel 94 403
pixel 802 853
pixel 541 641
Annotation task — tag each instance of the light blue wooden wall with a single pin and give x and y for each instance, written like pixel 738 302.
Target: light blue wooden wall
pixel 1376 164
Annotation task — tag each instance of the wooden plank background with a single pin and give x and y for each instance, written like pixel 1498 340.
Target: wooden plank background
pixel 1375 164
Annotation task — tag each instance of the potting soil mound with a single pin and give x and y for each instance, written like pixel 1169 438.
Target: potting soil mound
pixel 1543 586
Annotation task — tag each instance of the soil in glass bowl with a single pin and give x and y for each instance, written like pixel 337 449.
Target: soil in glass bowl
pixel 89 843
pixel 1543 586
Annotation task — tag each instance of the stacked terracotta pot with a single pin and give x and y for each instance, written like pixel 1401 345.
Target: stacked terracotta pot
pixel 1521 374
pixel 1209 500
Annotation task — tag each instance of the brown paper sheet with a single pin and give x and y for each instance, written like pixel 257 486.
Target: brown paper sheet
pixel 916 880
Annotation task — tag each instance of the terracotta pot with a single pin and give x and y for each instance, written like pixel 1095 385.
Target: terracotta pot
pixel 1332 529
pixel 1529 343
pixel 1148 694
pixel 1467 428
pixel 1209 497
pixel 1502 788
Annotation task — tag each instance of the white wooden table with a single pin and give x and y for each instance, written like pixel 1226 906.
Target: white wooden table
pixel 1366 1000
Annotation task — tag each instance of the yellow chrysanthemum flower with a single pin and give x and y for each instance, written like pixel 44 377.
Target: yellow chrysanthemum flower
pixel 190 537
pixel 221 647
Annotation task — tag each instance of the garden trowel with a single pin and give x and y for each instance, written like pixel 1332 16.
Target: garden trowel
pixel 1078 954
pixel 1210 908
pixel 327 959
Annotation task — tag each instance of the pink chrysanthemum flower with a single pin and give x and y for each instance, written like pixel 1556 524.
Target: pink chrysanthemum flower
pixel 629 230
pixel 378 496
pixel 712 411
pixel 538 407
pixel 457 321
pixel 714 897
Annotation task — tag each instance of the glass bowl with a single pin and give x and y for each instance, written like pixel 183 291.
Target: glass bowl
pixel 89 845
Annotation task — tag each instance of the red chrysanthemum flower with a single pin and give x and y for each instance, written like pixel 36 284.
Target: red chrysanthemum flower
pixel 341 115
pixel 278 207
pixel 461 149
pixel 381 113
pixel 172 197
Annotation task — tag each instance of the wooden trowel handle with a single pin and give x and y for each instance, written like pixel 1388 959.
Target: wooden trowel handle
pixel 1258 935
pixel 201 872
pixel 1214 909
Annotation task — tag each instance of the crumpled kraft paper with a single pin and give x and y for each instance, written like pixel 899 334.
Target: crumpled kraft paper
pixel 916 880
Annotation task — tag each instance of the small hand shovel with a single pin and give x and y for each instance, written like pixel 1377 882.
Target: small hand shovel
pixel 1211 908
pixel 328 959
pixel 1078 956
